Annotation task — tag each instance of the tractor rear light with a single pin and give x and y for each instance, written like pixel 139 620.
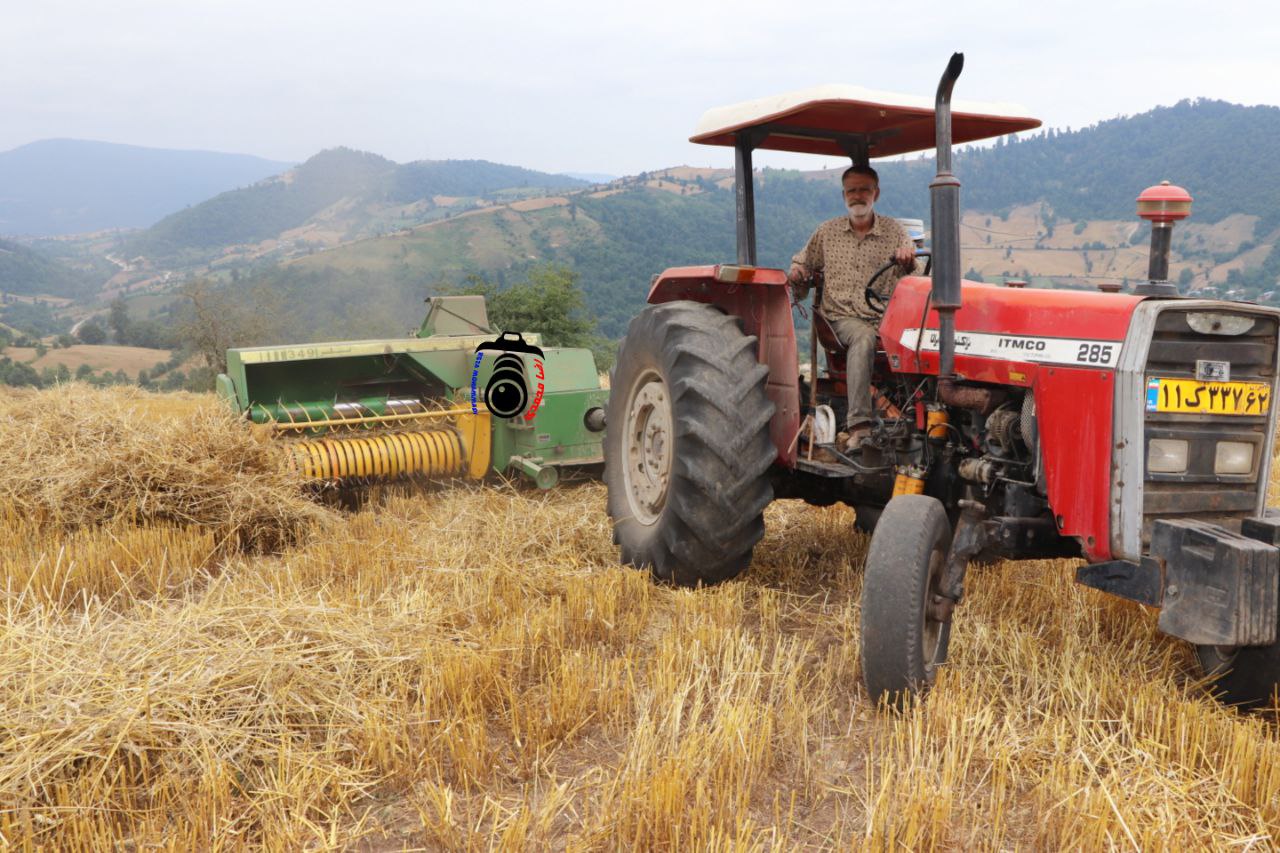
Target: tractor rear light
pixel 1167 456
pixel 734 273
pixel 1233 457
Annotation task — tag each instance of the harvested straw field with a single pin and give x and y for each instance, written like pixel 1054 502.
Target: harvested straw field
pixel 194 657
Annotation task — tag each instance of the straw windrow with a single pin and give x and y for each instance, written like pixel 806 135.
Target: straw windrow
pixel 78 457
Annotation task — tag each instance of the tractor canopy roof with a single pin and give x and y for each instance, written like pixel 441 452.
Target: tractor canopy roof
pixel 849 120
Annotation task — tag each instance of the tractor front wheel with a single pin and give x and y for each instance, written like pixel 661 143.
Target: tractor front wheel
pixel 687 450
pixel 903 640
pixel 1247 676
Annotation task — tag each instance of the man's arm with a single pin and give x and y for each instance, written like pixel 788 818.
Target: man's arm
pixel 905 258
pixel 804 263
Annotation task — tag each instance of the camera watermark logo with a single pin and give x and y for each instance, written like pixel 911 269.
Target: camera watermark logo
pixel 507 393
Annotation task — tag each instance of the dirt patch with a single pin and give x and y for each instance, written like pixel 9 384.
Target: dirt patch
pixel 531 204
pixel 103 357
pixel 1250 259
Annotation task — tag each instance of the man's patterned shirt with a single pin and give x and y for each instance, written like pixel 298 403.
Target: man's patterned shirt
pixel 848 261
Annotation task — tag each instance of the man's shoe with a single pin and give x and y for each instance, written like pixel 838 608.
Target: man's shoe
pixel 821 454
pixel 856 435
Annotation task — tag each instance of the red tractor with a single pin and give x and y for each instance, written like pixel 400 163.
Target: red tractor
pixel 1133 430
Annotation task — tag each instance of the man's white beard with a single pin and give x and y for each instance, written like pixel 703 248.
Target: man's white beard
pixel 860 211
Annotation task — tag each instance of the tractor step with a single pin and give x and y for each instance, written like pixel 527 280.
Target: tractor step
pixel 824 469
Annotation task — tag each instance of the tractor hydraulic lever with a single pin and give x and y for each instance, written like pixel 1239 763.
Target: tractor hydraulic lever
pixel 816 280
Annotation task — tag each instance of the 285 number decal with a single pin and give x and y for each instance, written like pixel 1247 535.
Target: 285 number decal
pixel 1094 353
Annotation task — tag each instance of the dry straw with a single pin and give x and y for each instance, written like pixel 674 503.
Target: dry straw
pixel 469 669
pixel 76 456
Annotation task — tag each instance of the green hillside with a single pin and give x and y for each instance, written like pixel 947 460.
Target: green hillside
pixel 360 183
pixel 25 271
pixel 617 239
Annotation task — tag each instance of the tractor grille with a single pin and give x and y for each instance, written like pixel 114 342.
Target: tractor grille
pixel 1199 492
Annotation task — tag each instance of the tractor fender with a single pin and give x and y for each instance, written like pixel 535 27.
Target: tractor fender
pixel 761 299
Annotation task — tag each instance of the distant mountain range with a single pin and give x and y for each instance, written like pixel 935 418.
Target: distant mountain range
pixel 359 239
pixel 70 186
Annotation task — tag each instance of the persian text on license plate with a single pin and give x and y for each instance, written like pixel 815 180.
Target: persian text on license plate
pixel 1208 398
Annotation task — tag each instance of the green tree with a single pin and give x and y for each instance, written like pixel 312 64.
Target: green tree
pixel 548 302
pixel 119 321
pixel 91 333
pixel 216 319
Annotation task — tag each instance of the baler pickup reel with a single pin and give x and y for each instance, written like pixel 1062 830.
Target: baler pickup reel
pixel 444 403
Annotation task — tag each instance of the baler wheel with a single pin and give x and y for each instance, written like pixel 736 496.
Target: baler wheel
pixel 903 643
pixel 687 451
pixel 1248 676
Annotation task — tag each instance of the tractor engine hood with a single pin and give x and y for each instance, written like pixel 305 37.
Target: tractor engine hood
pixel 1064 345
pixel 1007 335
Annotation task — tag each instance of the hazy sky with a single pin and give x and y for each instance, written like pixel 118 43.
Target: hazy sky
pixel 577 86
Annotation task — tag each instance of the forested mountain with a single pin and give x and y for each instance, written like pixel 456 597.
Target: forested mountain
pixel 267 208
pixel 366 187
pixel 68 186
pixel 1225 154
pixel 424 179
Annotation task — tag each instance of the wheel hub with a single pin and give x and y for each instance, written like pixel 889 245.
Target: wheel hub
pixel 647 444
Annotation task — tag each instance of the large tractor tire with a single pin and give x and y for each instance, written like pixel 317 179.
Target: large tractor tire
pixel 1248 676
pixel 902 644
pixel 687 449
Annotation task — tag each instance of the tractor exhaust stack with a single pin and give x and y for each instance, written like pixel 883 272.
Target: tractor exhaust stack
pixel 944 207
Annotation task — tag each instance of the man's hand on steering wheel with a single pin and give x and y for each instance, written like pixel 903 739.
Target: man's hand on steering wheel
pixel 905 260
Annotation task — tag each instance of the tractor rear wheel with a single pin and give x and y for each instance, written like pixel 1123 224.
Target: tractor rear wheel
pixel 903 643
pixel 687 450
pixel 1247 676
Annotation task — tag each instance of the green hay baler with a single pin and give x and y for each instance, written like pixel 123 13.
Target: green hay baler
pixel 438 404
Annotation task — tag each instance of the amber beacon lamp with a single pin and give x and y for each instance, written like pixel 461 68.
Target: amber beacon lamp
pixel 1162 205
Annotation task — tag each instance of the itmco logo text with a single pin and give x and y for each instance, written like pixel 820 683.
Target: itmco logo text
pixel 506 394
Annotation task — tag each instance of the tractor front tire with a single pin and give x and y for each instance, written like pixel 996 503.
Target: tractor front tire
pixel 902 644
pixel 687 450
pixel 1248 676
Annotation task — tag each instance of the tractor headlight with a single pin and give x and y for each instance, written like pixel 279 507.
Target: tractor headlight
pixel 1167 456
pixel 1233 457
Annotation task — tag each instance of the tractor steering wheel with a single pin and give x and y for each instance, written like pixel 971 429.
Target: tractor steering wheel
pixel 874 300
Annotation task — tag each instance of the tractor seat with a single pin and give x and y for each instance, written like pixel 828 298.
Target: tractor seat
pixel 837 351
pixel 826 334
